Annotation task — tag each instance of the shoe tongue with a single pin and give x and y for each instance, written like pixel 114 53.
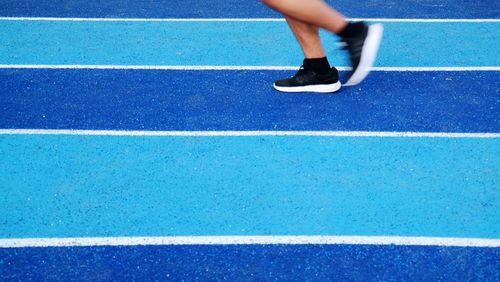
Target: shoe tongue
pixel 306 65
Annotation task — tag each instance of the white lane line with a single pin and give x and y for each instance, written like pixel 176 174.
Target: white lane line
pixel 426 20
pixel 247 240
pixel 241 68
pixel 245 133
pixel 146 67
pixel 240 20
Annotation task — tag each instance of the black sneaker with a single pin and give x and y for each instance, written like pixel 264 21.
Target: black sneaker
pixel 363 50
pixel 308 81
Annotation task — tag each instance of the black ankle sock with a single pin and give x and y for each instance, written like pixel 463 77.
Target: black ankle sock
pixel 317 65
pixel 353 29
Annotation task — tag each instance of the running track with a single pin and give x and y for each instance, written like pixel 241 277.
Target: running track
pixel 125 143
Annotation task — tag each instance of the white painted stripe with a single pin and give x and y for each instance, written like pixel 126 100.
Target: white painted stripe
pixel 243 68
pixel 421 69
pixel 244 133
pixel 426 20
pixel 247 240
pixel 144 67
pixel 142 19
pixel 237 19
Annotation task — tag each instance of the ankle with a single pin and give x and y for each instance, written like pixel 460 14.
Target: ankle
pixel 353 29
pixel 317 65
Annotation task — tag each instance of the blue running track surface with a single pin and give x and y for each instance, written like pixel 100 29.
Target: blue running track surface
pixel 234 44
pixel 250 263
pixel 88 186
pixel 68 185
pixel 245 100
pixel 244 8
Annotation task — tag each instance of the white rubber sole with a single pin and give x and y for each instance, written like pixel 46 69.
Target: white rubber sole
pixel 368 54
pixel 319 88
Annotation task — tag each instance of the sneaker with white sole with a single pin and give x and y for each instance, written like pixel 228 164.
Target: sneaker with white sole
pixel 363 49
pixel 306 80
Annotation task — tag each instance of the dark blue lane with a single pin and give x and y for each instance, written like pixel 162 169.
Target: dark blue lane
pixel 244 8
pixel 245 100
pixel 252 262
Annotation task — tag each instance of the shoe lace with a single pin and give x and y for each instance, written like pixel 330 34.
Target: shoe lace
pixel 352 46
pixel 343 45
pixel 347 45
pixel 300 72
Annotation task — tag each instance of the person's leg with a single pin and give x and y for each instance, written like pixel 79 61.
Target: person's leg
pixel 314 12
pixel 362 41
pixel 307 36
pixel 309 40
pixel 316 75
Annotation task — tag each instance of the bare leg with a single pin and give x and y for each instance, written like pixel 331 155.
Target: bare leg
pixel 305 17
pixel 313 12
pixel 316 74
pixel 308 37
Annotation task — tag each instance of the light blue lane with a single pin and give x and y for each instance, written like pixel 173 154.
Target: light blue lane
pixel 119 186
pixel 233 43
